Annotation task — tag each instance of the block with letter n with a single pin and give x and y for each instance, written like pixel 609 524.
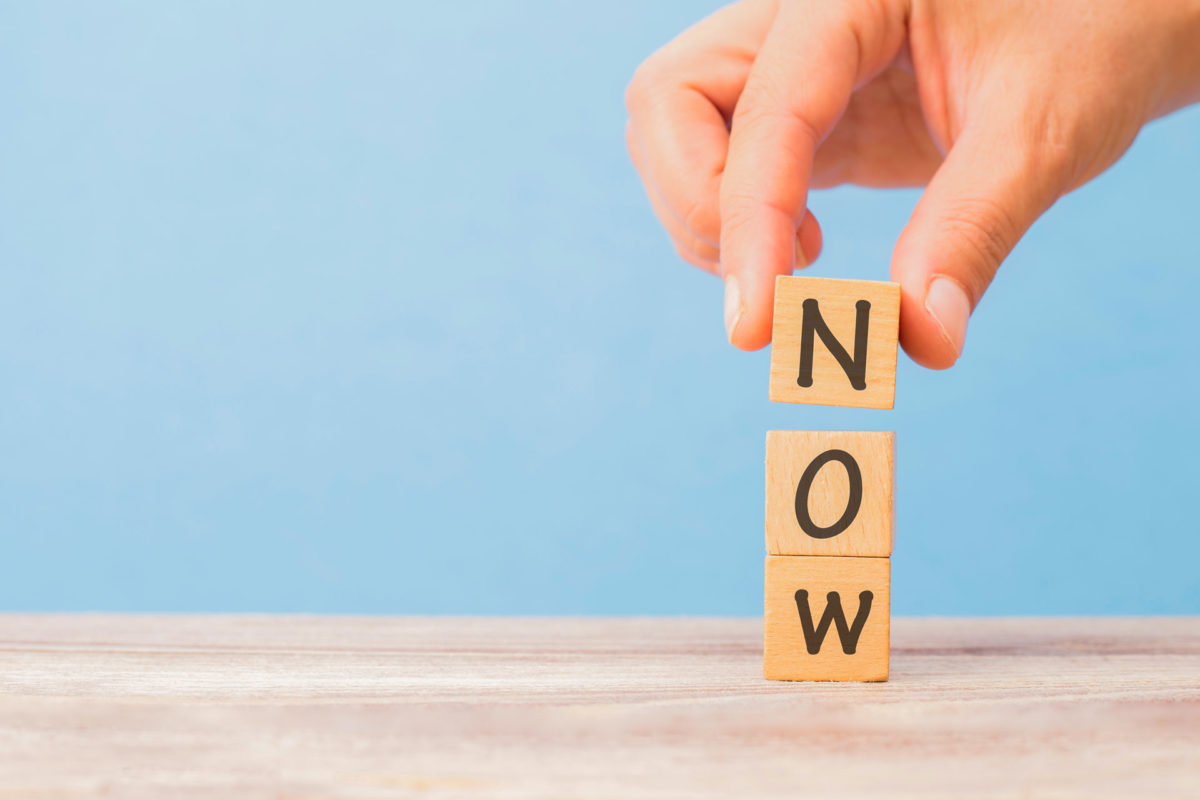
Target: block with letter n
pixel 834 342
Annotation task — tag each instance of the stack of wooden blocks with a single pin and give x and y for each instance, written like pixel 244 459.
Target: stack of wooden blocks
pixel 829 493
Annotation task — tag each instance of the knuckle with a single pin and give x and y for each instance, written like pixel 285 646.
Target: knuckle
pixel 700 218
pixel 737 211
pixel 644 84
pixel 764 92
pixel 768 113
pixel 1054 146
pixel 1055 152
pixel 766 100
pixel 691 256
pixel 1056 155
pixel 741 207
pixel 981 233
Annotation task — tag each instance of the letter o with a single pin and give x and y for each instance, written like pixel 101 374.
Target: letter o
pixel 853 503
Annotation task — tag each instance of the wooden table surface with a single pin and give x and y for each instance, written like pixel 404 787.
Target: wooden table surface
pixel 340 707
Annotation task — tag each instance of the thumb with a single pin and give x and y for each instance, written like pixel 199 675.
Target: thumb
pixel 988 192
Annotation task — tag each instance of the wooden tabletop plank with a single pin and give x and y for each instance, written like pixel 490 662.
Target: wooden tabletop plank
pixel 353 707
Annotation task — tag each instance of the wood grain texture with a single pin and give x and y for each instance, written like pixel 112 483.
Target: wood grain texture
pixel 836 300
pixel 791 453
pixel 308 708
pixel 786 656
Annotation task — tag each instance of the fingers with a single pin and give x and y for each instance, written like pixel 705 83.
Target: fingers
pixel 700 252
pixel 679 102
pixel 691 248
pixel 800 83
pixel 981 201
pixel 881 140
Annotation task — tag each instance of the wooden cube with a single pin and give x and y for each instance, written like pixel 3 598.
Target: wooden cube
pixel 829 493
pixel 827 619
pixel 834 342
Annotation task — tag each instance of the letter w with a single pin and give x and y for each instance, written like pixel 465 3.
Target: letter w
pixel 814 637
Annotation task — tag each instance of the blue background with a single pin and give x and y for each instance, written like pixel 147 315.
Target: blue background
pixel 360 308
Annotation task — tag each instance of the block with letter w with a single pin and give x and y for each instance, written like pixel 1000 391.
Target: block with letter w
pixel 809 598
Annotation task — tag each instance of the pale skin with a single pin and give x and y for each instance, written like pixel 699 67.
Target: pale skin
pixel 997 107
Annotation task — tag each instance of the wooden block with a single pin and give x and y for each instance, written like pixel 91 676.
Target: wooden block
pixel 829 493
pixel 827 619
pixel 834 342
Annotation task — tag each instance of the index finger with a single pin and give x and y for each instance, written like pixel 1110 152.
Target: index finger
pixel 813 57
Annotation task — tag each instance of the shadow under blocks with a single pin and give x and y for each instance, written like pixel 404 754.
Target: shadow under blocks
pixel 829 494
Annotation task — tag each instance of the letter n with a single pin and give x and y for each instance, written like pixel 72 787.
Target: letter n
pixel 811 322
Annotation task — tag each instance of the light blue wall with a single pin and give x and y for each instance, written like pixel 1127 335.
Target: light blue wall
pixel 359 308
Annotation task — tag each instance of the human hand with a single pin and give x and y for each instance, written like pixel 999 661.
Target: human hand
pixel 999 107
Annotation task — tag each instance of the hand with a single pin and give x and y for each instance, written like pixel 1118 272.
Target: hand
pixel 999 106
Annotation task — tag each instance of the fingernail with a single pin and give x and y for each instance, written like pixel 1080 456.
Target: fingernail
pixel 733 305
pixel 801 258
pixel 948 304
